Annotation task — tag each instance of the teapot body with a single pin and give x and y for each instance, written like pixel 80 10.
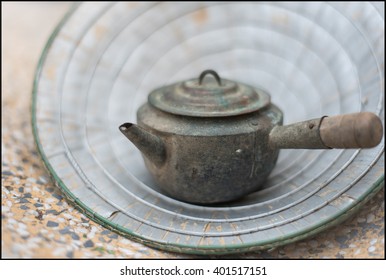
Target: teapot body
pixel 210 160
pixel 208 141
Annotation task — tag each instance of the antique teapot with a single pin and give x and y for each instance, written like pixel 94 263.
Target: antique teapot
pixel 211 140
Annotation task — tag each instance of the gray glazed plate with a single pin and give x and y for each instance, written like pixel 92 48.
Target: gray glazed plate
pixel 314 58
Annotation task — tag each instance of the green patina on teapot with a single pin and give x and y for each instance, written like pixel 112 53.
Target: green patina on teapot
pixel 211 140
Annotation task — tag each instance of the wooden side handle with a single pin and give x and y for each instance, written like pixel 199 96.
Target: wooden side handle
pixel 359 130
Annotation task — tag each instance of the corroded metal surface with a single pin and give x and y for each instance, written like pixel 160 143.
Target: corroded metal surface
pixel 209 98
pixel 301 135
pixel 211 160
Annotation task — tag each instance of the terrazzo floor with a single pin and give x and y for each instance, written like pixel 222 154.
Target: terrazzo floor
pixel 38 222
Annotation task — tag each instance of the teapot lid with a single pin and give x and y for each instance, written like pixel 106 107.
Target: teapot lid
pixel 209 97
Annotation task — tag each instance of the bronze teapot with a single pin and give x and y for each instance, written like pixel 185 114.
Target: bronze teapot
pixel 211 140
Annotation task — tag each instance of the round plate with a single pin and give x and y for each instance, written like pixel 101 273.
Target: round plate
pixel 314 58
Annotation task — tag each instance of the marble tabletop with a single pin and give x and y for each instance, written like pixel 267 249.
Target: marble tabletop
pixel 38 222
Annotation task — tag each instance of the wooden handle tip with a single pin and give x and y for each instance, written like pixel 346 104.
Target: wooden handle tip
pixel 359 130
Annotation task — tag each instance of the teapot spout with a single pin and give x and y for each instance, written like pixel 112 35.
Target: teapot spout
pixel 151 146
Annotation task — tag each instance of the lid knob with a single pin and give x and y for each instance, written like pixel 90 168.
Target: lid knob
pixel 213 73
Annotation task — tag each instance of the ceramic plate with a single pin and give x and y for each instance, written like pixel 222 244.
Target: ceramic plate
pixel 314 59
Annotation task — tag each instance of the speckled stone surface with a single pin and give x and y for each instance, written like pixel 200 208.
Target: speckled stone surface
pixel 38 222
